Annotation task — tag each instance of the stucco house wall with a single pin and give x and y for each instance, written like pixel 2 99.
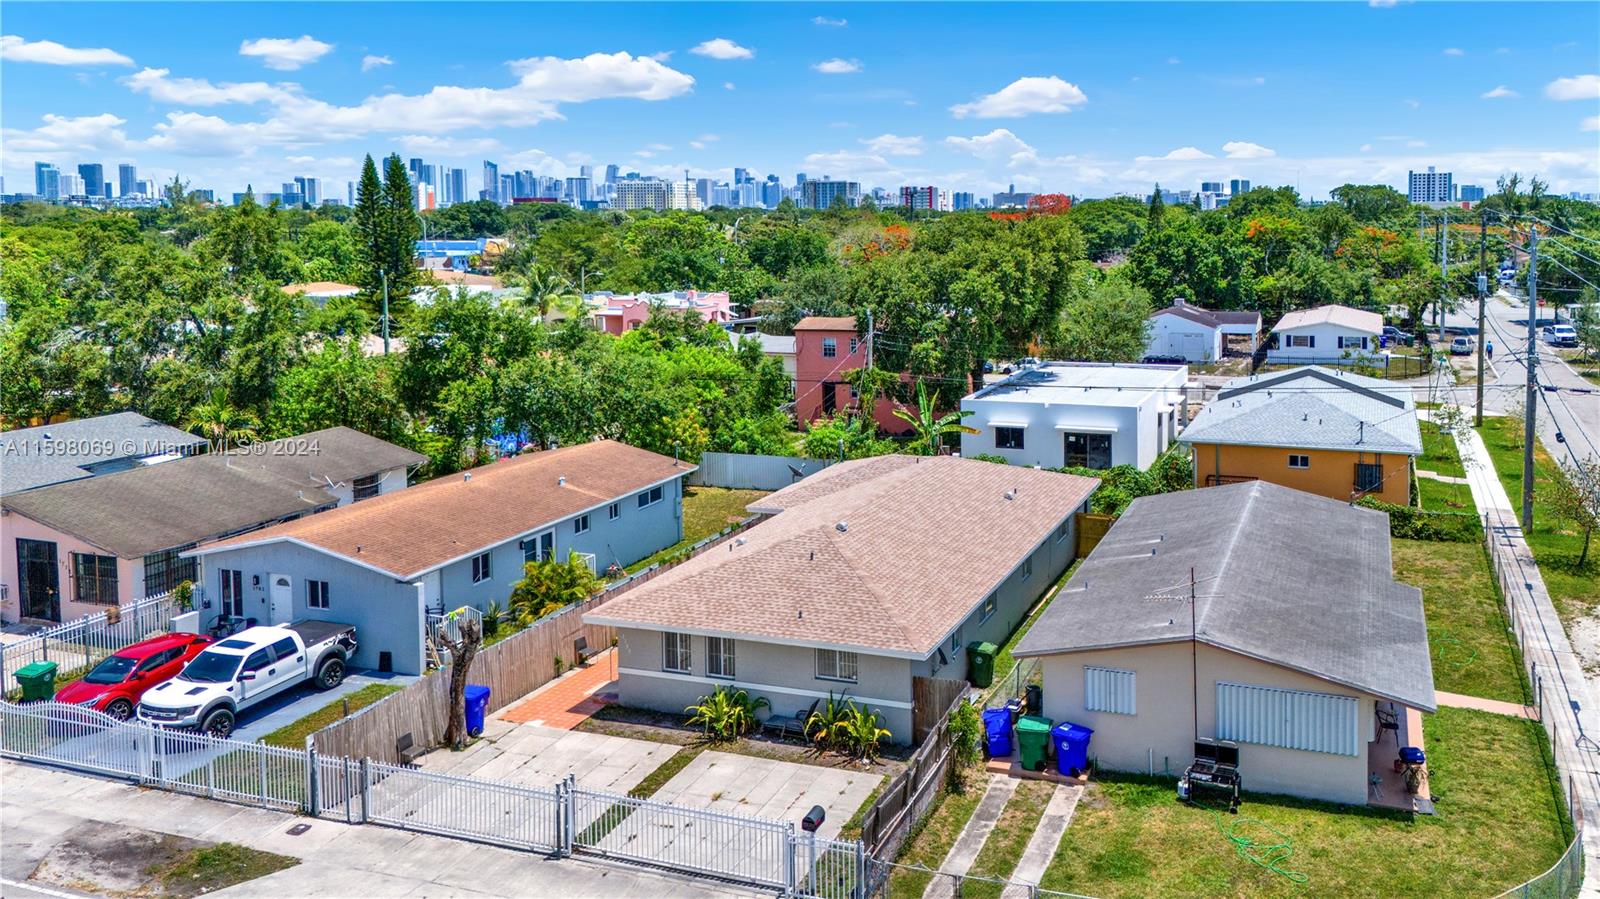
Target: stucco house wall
pixel 1142 432
pixel 388 482
pixel 1332 473
pixel 14 526
pixel 1326 349
pixel 1174 335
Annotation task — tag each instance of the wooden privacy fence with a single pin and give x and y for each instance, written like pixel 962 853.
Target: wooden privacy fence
pixel 1091 528
pixel 931 700
pixel 908 794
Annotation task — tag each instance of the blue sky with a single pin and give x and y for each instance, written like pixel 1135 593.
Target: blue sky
pixel 1088 99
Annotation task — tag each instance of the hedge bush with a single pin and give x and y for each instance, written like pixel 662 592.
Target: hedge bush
pixel 1411 523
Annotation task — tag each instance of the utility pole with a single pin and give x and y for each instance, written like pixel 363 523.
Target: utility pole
pixel 869 338
pixel 1444 270
pixel 1530 414
pixel 384 274
pixel 1483 290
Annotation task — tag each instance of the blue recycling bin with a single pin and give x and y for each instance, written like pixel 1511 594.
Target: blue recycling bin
pixel 997 732
pixel 1072 747
pixel 477 708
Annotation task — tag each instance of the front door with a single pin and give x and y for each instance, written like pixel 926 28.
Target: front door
pixel 282 599
pixel 38 579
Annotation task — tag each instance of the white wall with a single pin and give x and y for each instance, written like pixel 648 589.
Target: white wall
pixel 1134 443
pixel 1174 335
pixel 392 480
pixel 1327 348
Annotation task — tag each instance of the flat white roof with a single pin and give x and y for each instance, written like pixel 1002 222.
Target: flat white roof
pixel 1086 384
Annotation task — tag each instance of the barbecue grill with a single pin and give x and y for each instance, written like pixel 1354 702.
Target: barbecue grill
pixel 1215 771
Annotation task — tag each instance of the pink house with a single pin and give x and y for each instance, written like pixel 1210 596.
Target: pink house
pixel 825 348
pixel 621 313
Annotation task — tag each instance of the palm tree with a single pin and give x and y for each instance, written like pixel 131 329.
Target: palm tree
pixel 928 425
pixel 222 423
pixel 544 288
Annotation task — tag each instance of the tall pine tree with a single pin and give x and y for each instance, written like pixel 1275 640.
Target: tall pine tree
pixel 1158 208
pixel 386 232
pixel 370 225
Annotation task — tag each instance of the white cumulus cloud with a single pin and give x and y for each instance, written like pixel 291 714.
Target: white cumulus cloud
pixel 1025 96
pixel 722 48
pixel 14 48
pixel 61 134
pixel 1454 51
pixel 285 53
pixel 838 66
pixel 370 62
pixel 826 22
pixel 1240 149
pixel 894 145
pixel 1592 123
pixel 163 88
pixel 996 144
pixel 1578 87
pixel 1179 155
pixel 434 145
pixel 1500 93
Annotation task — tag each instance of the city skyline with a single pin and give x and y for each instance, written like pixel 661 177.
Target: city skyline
pixel 1112 107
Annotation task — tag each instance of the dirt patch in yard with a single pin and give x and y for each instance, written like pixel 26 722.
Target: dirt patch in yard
pixel 113 860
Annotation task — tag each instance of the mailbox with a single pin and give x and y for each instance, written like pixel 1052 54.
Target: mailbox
pixel 813 819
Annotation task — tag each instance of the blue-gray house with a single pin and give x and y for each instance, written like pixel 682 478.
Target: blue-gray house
pixel 459 540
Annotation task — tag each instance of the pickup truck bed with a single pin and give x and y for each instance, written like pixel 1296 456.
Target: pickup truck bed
pixel 312 631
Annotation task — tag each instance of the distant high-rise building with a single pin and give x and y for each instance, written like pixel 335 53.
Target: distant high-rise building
pixel 414 169
pixel 799 181
pixel 820 194
pixel 491 181
pixel 771 192
pixel 1470 193
pixel 46 181
pixel 681 196
pixel 310 190
pixel 640 194
pixel 1238 186
pixel 456 185
pixel 508 186
pixel 70 185
pixel 94 178
pixel 741 175
pixel 704 188
pixel 127 179
pixel 147 188
pixel 1011 197
pixel 915 198
pixel 1211 187
pixel 962 200
pixel 203 194
pixel 349 193
pixel 579 189
pixel 586 171
pixel 611 173
pixel 1429 187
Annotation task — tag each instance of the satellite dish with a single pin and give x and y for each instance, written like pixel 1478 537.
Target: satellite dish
pixel 797 473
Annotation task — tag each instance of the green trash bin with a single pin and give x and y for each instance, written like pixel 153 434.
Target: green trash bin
pixel 980 663
pixel 37 680
pixel 1033 740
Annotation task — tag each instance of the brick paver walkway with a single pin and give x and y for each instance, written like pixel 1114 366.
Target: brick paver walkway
pixel 567 701
pixel 1497 706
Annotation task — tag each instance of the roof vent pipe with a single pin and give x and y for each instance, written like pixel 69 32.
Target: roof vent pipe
pixel 842 526
pixel 466 477
pixel 1011 494
pixel 561 481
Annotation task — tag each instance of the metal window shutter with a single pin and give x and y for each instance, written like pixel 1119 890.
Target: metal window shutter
pixel 1108 690
pixel 1290 719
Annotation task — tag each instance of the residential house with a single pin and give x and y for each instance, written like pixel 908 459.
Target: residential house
pixel 1088 414
pixel 825 349
pixel 320 292
pixel 1315 429
pixel 867 576
pixel 74 548
pixel 1198 335
pixel 1292 639
pixel 776 346
pixel 86 447
pixel 459 540
pixel 621 313
pixel 1326 335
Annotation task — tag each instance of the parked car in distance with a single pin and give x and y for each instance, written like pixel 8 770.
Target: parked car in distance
pixel 1463 346
pixel 115 685
pixel 1560 335
pixel 1393 336
pixel 255 664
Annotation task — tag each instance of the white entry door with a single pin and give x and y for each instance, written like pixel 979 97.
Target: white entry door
pixel 282 599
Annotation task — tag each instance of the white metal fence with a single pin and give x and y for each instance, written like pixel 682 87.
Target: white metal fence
pixel 78 644
pixel 561 819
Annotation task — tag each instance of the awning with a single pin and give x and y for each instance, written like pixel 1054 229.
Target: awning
pixel 999 423
pixel 1088 429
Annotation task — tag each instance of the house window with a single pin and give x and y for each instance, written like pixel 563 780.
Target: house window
pixel 955 641
pixel 614 511
pixel 836 664
pixel 1369 476
pixel 989 604
pixel 316 594
pixel 1027 568
pixel 480 568
pixel 94 578
pixel 1109 690
pixel 1308 341
pixel 1289 719
pixel 166 569
pixel 719 657
pixel 1062 529
pixel 231 582
pixel 853 344
pixel 675 654
pixel 1299 460
pixel 1352 343
pixel 1008 438
pixel 580 525
pixel 367 487
pixel 1087 450
pixel 540 548
pixel 830 347
pixel 650 497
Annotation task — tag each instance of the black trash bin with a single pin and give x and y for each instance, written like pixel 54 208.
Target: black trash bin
pixel 1034 699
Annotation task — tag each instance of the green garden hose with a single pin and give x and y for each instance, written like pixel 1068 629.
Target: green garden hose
pixel 1270 855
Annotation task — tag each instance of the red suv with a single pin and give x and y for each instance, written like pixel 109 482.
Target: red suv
pixel 115 685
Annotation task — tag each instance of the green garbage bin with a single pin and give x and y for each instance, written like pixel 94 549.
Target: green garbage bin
pixel 37 680
pixel 980 663
pixel 1033 740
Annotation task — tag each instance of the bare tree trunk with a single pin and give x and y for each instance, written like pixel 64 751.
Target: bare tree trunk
pixel 461 654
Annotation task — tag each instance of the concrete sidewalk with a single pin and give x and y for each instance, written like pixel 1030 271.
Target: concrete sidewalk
pixel 40 805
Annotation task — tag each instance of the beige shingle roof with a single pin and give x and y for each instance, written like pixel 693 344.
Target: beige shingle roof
pixel 1344 316
pixel 826 323
pixel 412 531
pixel 886 554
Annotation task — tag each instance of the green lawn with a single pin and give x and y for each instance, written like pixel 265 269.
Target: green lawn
pixel 1500 821
pixel 293 736
pixel 1438 496
pixel 1001 852
pixel 706 511
pixel 1556 544
pixel 1004 661
pixel 1439 453
pixel 930 842
pixel 1473 653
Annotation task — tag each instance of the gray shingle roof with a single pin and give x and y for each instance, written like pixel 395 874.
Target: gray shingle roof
pixel 51 454
pixel 1285 577
pixel 1311 408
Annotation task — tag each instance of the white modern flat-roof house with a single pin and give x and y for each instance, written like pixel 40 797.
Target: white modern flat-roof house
pixel 1087 414
pixel 1197 335
pixel 1325 335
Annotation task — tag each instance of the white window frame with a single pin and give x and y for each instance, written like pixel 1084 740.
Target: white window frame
pixel 1302 341
pixel 830 348
pixel 648 498
pixel 854 345
pixel 990 604
pixel 720 658
pixel 676 647
pixel 580 525
pixel 230 590
pixel 481 568
pixel 1110 677
pixel 839 661
pixel 1352 343
pixel 1303 458
pixel 316 594
pixel 614 511
pixel 955 640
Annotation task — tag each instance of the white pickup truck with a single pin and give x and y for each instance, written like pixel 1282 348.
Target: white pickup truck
pixel 238 672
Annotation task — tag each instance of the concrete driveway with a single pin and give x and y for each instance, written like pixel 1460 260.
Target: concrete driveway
pixel 537 756
pixel 767 788
pixel 292 705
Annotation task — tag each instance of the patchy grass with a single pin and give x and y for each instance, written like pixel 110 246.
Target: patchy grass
pixel 293 735
pixel 661 727
pixel 1001 852
pixel 1556 544
pixel 1501 821
pixel 213 868
pixel 706 511
pixel 1437 496
pixel 666 771
pixel 1439 452
pixel 1473 652
pixel 930 840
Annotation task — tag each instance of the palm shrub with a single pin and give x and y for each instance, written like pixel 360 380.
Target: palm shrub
pixel 727 714
pixel 841 726
pixel 549 585
pixel 827 723
pixel 493 617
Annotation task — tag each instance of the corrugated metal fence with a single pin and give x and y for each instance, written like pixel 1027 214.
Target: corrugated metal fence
pixel 745 471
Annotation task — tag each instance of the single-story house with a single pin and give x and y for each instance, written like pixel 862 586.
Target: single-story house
pixel 458 540
pixel 1326 334
pixel 1315 429
pixel 1197 335
pixel 869 575
pixel 85 447
pixel 320 292
pixel 72 549
pixel 620 313
pixel 1088 414
pixel 1292 640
